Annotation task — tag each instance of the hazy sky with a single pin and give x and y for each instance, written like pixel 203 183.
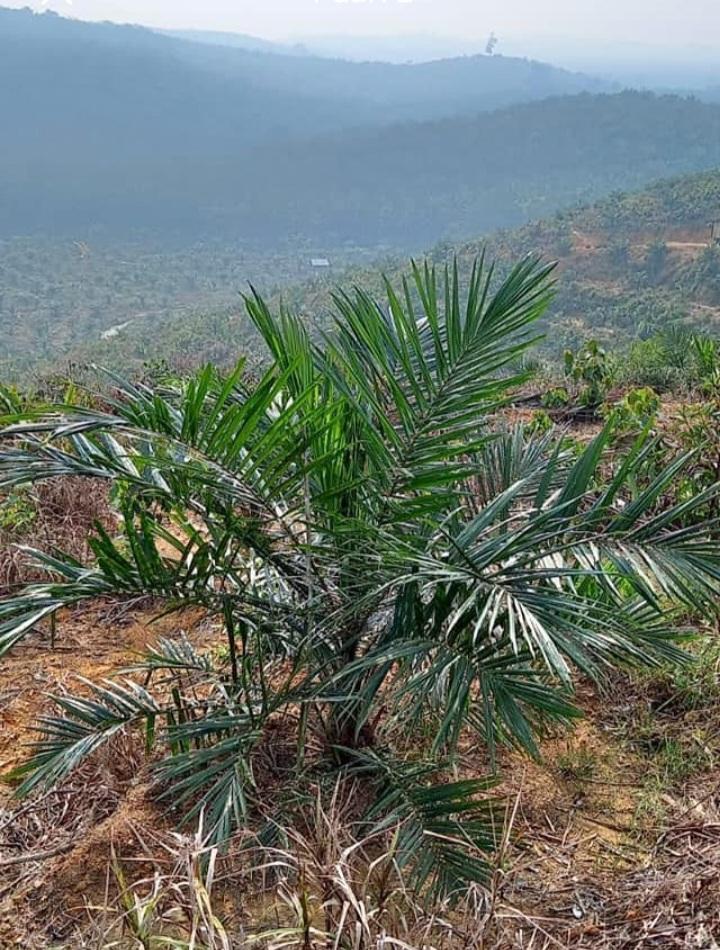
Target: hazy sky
pixel 661 22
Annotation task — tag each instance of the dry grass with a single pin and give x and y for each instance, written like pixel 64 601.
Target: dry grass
pixel 672 899
pixel 322 889
pixel 576 872
pixel 58 514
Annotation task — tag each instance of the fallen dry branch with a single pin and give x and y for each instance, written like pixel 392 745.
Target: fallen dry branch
pixel 37 855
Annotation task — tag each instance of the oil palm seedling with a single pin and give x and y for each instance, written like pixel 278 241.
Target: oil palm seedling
pixel 389 568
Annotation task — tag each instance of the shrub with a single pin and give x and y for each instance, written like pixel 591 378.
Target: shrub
pixel 636 410
pixel 589 369
pixel 556 398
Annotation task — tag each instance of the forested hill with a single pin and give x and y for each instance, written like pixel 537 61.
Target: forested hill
pixel 409 185
pixel 69 85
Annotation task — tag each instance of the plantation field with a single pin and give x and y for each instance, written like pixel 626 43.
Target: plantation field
pixel 632 265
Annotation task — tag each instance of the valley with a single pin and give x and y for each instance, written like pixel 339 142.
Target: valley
pixel 631 265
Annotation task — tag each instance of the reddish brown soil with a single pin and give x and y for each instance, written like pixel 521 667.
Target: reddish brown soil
pixel 107 805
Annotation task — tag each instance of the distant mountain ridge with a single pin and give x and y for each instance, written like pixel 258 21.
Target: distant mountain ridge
pixel 401 49
pixel 225 65
pixel 223 38
pixel 117 132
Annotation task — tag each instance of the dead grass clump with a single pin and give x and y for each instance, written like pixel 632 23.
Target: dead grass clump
pixel 671 901
pixel 675 901
pixel 61 836
pixel 57 514
pixel 316 885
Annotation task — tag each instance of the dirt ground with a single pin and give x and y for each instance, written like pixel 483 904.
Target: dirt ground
pixel 594 860
pixel 105 806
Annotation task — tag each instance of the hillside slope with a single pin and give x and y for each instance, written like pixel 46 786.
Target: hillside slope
pixel 629 266
pixel 120 131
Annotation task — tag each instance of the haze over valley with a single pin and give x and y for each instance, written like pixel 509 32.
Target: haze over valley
pixel 134 153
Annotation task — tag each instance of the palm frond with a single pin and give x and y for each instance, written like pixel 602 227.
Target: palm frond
pixel 211 774
pixel 87 724
pixel 427 378
pixel 445 831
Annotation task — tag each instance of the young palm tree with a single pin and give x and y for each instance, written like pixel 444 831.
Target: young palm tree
pixel 383 560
